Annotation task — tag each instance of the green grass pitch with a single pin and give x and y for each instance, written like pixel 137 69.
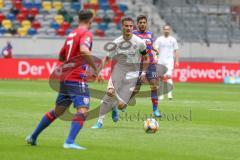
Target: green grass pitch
pixel 201 123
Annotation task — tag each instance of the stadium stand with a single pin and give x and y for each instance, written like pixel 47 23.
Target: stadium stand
pixel 38 17
pixel 209 21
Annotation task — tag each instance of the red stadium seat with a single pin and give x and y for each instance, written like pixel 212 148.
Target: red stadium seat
pixel 17 4
pixel 61 32
pixel 21 17
pixel 118 13
pixel 65 25
pixel 24 11
pixel 97 19
pixel 86 6
pixel 111 2
pixel 99 33
pixel 2 17
pixel 33 12
pixel 36 25
pixel 94 6
pixel 114 7
pixel 116 19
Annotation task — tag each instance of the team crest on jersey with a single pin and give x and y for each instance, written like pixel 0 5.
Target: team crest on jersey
pixel 86 100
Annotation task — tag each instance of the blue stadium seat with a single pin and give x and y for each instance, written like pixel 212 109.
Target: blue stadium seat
pixel 28 4
pixel 69 31
pixel 103 26
pixel 10 16
pixel 102 1
pixel 76 6
pixel 2 30
pixel 37 5
pixel 104 6
pixel 32 31
pixel 55 25
pixel 123 7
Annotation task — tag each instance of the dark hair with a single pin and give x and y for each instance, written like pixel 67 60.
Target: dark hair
pixel 140 17
pixel 166 25
pixel 127 19
pixel 85 15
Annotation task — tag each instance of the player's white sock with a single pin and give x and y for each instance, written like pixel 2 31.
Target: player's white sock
pixel 101 118
pixel 170 81
pixel 161 90
pixel 106 106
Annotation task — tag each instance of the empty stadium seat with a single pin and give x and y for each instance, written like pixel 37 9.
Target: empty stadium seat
pixel 26 24
pixel 24 11
pixel 122 7
pixel 36 25
pixel 37 4
pixel 17 4
pixel 104 6
pixel 2 17
pixel 65 25
pixel 32 32
pixel 54 25
pixel 57 5
pixel 59 19
pixel 69 31
pixel 20 17
pixel 1 4
pixel 46 5
pixel 51 32
pixel 61 32
pixel 7 24
pixel 22 31
pixel 10 16
pixel 76 6
pixel 3 30
pixel 99 33
pixel 28 4
pixel 97 19
pixel 33 11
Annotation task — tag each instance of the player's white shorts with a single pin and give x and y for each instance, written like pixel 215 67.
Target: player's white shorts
pixel 123 84
pixel 169 65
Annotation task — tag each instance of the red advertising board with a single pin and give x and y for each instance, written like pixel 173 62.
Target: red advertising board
pixel 186 72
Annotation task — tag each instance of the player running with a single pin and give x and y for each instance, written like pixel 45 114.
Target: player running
pixel 147 36
pixel 128 53
pixel 168 47
pixel 78 43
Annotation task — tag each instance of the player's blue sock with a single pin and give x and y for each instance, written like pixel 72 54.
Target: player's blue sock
pixel 154 98
pixel 76 126
pixel 47 119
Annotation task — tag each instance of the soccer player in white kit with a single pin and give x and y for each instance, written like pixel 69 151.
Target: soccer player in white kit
pixel 127 72
pixel 168 47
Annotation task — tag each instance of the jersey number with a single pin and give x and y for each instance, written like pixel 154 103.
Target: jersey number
pixel 70 44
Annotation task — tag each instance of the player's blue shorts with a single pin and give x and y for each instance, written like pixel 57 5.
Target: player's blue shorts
pixel 151 72
pixel 73 92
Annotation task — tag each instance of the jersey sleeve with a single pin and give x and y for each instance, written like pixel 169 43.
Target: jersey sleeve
pixel 175 45
pixel 86 40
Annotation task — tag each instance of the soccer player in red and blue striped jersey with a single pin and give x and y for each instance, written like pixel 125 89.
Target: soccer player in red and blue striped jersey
pixel 73 86
pixel 147 36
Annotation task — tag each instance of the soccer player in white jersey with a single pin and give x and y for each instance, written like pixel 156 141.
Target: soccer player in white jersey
pixel 126 75
pixel 168 47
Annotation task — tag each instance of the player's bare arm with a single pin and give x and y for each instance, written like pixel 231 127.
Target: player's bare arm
pixel 88 57
pixel 176 52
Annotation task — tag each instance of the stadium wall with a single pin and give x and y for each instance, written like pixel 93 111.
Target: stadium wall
pixel 49 48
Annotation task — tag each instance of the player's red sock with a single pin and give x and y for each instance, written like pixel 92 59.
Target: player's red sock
pixel 46 120
pixel 154 99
